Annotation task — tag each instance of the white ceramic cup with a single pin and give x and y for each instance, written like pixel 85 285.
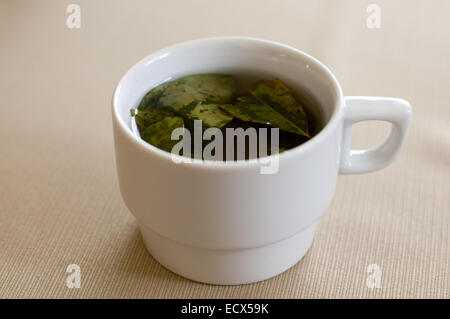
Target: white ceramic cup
pixel 225 223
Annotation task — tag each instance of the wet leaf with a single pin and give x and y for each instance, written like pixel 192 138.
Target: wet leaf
pixel 271 102
pixel 209 98
pixel 151 98
pixel 210 115
pixel 159 133
pixel 182 95
pixel 144 118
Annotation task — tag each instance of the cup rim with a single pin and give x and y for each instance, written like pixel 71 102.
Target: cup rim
pixel 294 152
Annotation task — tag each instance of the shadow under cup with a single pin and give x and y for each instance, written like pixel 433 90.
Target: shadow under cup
pixel 226 223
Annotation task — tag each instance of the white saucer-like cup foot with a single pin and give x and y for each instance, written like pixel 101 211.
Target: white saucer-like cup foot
pixel 228 267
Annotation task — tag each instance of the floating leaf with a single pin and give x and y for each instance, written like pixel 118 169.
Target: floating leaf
pixel 144 118
pixel 209 98
pixel 159 133
pixel 276 94
pixel 151 98
pixel 194 97
pixel 210 115
pixel 182 95
pixel 271 102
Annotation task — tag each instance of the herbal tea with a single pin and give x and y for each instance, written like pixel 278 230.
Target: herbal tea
pixel 222 117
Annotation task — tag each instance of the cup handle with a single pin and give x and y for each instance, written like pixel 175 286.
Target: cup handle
pixel 363 108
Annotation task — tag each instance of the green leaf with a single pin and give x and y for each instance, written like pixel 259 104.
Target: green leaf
pixel 151 98
pixel 271 102
pixel 183 95
pixel 210 115
pixel 159 133
pixel 144 118
pixel 208 97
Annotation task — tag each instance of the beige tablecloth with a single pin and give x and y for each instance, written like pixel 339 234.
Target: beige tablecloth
pixel 59 198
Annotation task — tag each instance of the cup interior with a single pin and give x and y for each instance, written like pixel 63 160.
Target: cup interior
pixel 245 57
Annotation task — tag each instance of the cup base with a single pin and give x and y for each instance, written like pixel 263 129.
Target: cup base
pixel 228 267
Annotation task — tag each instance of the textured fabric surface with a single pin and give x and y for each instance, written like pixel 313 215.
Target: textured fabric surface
pixel 59 198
